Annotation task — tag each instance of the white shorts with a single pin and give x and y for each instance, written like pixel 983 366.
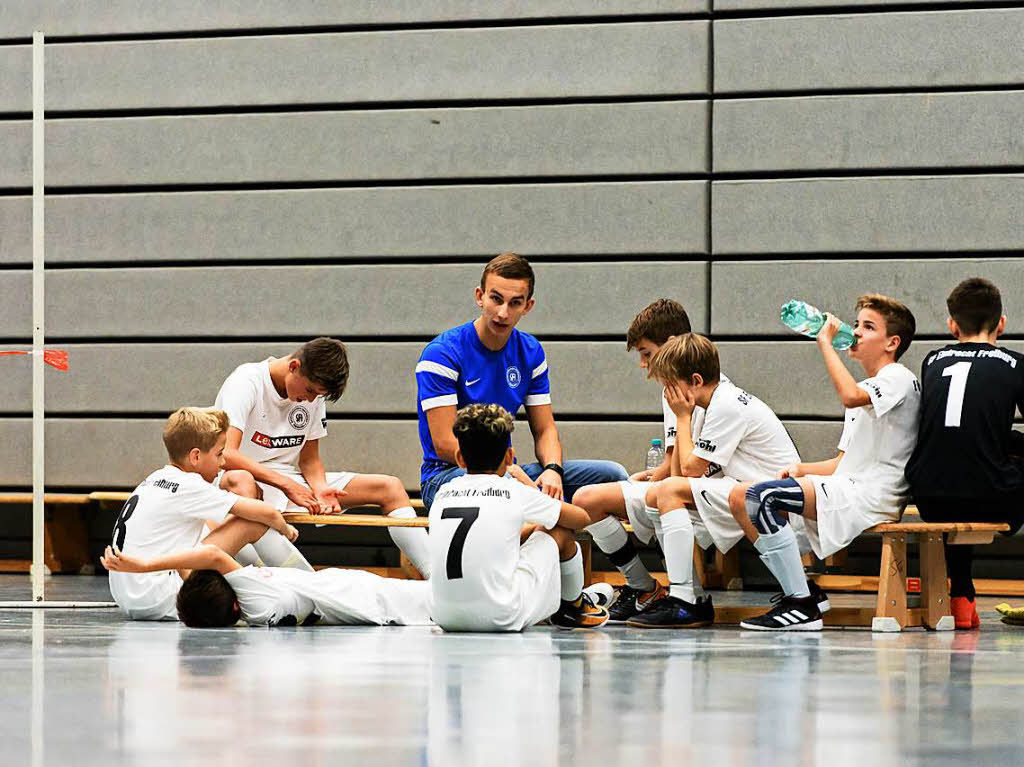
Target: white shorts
pixel 355 597
pixel 843 513
pixel 281 502
pixel 711 497
pixel 147 596
pixel 538 581
pixel 642 517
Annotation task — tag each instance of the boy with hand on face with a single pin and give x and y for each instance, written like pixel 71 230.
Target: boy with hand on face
pixel 861 486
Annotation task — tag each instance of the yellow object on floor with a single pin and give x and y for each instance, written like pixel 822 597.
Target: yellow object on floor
pixel 1011 615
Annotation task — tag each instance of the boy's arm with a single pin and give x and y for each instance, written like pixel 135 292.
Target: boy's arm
pixel 264 513
pixel 235 459
pixel 684 462
pixel 312 468
pixel 845 384
pixel 573 517
pixel 203 557
pixel 818 468
pixel 440 422
pixel 547 446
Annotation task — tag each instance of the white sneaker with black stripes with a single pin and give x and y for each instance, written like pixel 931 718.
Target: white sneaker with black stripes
pixel 790 614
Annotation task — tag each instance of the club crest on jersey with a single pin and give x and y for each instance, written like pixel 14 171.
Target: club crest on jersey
pixel 298 418
pixel 513 376
pixel 271 443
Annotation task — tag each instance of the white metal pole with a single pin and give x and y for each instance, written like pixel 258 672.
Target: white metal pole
pixel 38 312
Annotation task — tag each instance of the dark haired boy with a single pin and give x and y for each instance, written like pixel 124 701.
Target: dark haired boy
pixel 490 360
pixel 278 417
pixel 967 465
pixel 860 487
pixel 503 554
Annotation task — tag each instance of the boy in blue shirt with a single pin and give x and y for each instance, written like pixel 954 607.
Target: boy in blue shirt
pixel 489 361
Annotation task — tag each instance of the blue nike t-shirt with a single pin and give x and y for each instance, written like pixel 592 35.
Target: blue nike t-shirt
pixel 457 369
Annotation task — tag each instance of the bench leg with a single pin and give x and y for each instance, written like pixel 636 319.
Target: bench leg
pixel 700 573
pixel 586 551
pixel 934 589
pixel 891 608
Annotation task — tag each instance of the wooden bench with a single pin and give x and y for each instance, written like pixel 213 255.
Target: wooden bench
pixel 66 541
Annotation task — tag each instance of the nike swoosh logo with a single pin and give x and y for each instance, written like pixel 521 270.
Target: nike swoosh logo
pixel 704 495
pixel 824 490
pixel 470 383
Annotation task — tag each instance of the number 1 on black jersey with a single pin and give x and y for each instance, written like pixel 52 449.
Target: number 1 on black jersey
pixel 466 515
pixel 957 388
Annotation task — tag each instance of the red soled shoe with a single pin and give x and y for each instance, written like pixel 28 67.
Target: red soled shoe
pixel 965 614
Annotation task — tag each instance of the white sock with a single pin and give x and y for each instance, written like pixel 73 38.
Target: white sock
pixel 780 552
pixel 277 551
pixel 411 540
pixel 247 556
pixel 611 537
pixel 679 553
pixel 659 530
pixel 572 576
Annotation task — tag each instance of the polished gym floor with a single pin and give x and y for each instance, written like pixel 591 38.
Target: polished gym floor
pixel 85 687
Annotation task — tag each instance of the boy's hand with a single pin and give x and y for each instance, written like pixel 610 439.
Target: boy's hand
pixel 681 402
pixel 793 471
pixel 828 330
pixel 120 563
pixel 329 499
pixel 302 496
pixel 516 472
pixel 550 483
pixel 642 476
pixel 291 533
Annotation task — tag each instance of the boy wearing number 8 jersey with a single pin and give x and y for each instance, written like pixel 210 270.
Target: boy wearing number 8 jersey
pixel 169 510
pixel 503 554
pixel 968 465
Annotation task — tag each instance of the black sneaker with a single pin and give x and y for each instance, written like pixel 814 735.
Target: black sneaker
pixel 674 613
pixel 790 614
pixel 816 591
pixel 581 614
pixel 631 602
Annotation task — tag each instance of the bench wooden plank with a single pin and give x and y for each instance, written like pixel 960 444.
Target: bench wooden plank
pixel 65 498
pixel 353 520
pixel 938 527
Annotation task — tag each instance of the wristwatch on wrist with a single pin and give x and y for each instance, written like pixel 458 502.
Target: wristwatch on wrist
pixel 555 468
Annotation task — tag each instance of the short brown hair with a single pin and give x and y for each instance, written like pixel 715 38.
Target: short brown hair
pixel 206 600
pixel 684 356
pixel 511 266
pixel 484 433
pixel 190 427
pixel 324 361
pixel 899 320
pixel 657 322
pixel 975 305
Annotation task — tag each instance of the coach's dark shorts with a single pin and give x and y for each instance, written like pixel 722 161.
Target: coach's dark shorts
pixel 1008 508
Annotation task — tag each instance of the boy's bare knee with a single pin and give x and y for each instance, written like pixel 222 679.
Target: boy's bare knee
pixel 393 492
pixel 672 493
pixel 240 482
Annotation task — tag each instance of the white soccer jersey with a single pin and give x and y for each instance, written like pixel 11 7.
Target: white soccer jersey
pixel 274 428
pixel 878 438
pixel 475 523
pixel 165 514
pixel 742 438
pixel 272 596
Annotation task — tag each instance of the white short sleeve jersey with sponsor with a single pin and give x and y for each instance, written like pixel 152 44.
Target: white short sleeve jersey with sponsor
pixel 670 420
pixel 164 515
pixel 879 438
pixel 475 522
pixel 274 428
pixel 271 596
pixel 741 437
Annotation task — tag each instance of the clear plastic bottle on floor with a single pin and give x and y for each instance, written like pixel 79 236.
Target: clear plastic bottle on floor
pixel 656 455
pixel 806 319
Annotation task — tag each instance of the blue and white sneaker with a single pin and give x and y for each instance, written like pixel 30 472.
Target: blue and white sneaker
pixel 674 613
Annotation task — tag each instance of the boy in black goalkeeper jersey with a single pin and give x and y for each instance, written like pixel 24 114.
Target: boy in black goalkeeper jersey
pixel 967 465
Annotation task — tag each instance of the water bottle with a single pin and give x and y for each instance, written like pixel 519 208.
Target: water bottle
pixel 804 318
pixel 656 455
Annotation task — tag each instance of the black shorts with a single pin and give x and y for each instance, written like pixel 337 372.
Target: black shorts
pixel 1008 508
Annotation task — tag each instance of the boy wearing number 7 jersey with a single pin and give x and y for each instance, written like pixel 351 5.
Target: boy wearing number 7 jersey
pixel 503 554
pixel 170 509
pixel 969 462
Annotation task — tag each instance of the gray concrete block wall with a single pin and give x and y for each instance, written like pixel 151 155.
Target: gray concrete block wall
pixel 226 182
